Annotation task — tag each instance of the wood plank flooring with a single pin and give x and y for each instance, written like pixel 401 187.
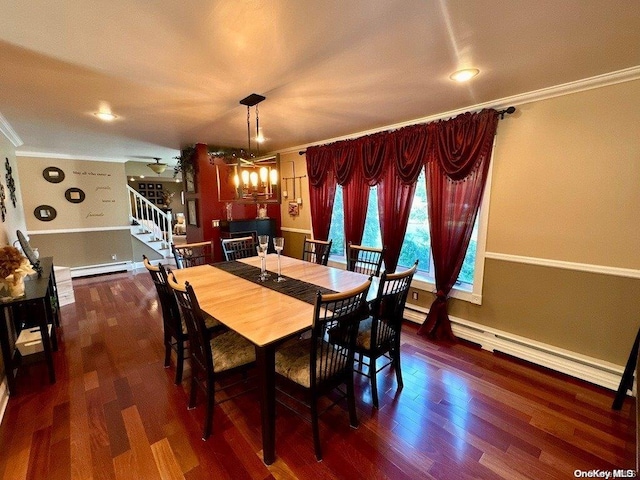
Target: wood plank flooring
pixel 115 413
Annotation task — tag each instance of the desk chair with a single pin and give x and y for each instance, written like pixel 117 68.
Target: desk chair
pixel 367 260
pixel 316 251
pixel 322 363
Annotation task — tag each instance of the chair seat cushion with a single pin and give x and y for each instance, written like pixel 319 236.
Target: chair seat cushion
pixel 231 350
pixel 363 340
pixel 293 360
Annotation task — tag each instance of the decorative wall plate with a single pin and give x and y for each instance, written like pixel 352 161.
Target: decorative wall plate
pixel 3 206
pixel 45 213
pixel 53 174
pixel 11 185
pixel 74 195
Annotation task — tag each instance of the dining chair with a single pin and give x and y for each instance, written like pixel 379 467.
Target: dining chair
pixel 174 328
pixel 367 260
pixel 241 247
pixel 192 254
pixel 316 251
pixel 321 363
pixel 379 334
pixel 211 356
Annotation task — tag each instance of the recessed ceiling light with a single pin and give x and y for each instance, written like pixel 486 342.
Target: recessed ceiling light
pixel 141 176
pixel 105 116
pixel 132 179
pixel 464 75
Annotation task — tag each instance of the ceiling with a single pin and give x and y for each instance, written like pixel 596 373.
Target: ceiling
pixel 174 72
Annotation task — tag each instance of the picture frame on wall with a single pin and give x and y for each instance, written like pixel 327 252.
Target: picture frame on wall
pixel 142 186
pixel 158 186
pixel 190 181
pixel 151 194
pixel 142 192
pixel 192 212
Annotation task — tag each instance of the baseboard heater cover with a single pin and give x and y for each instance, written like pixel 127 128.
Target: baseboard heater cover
pixel 100 269
pixel 589 369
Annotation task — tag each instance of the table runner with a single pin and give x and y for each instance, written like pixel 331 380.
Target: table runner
pixel 293 287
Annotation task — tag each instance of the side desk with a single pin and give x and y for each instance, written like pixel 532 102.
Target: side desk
pixel 37 308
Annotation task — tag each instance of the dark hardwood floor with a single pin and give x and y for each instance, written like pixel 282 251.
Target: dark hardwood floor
pixel 463 413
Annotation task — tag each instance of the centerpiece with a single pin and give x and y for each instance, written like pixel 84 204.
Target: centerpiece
pixel 13 268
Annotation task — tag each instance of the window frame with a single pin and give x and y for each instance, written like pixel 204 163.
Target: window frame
pixel 422 282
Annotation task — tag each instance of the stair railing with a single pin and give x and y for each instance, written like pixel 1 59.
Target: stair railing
pixel 150 218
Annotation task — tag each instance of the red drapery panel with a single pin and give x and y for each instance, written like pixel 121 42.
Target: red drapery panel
pixel 457 167
pixel 394 206
pixel 322 190
pixel 411 146
pixel 355 197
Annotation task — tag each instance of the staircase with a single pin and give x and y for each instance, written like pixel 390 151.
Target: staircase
pixel 149 224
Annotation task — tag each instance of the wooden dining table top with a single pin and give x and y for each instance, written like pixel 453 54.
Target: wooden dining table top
pixel 258 313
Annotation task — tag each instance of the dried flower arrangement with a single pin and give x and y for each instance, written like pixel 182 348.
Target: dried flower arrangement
pixel 13 268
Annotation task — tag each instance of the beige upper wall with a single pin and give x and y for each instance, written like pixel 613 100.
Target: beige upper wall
pixel 287 162
pixel 566 179
pixel 104 184
pixel 14 218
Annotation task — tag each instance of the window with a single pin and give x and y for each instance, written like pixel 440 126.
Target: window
pixel 416 243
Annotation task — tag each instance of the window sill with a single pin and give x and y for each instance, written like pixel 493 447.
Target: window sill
pixel 422 282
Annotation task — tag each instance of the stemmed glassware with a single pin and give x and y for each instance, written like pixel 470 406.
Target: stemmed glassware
pixel 263 244
pixel 278 244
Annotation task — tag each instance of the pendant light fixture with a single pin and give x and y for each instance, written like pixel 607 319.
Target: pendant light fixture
pixel 157 167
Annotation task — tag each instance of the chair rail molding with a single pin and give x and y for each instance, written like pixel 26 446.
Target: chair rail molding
pixel 580 267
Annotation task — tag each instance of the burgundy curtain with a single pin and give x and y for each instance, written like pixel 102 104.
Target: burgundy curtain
pixel 322 190
pixel 408 148
pixel 457 166
pixel 394 206
pixel 355 198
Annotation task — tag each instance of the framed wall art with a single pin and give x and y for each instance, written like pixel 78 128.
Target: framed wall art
pixel 192 212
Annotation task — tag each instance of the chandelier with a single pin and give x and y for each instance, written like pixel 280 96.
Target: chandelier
pixel 255 178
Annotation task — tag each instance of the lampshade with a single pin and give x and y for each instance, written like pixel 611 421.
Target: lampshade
pixel 157 167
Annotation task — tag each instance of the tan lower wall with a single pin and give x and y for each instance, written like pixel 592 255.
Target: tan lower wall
pixel 80 249
pixel 588 313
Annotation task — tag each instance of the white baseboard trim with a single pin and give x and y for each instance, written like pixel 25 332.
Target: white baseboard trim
pixel 4 397
pixel 100 269
pixel 589 369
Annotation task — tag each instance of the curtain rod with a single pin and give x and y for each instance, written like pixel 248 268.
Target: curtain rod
pixel 502 113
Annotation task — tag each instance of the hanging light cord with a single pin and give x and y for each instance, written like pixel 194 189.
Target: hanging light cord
pixel 249 130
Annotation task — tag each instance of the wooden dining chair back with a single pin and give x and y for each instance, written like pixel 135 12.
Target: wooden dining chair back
pixel 241 247
pixel 379 335
pixel 192 254
pixel 175 335
pixel 316 251
pixel 210 355
pixel 367 260
pixel 322 362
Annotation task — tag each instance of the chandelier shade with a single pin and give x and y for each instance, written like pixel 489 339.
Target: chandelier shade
pixel 157 167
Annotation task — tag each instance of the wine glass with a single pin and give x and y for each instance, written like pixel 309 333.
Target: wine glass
pixel 278 244
pixel 263 244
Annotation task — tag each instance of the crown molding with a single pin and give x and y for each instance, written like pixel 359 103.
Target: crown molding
pixel 64 156
pixel 8 131
pixel 599 81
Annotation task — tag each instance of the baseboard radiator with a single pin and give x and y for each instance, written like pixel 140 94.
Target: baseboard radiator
pixel 89 270
pixel 585 368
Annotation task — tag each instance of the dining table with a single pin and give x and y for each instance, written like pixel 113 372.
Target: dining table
pixel 267 312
